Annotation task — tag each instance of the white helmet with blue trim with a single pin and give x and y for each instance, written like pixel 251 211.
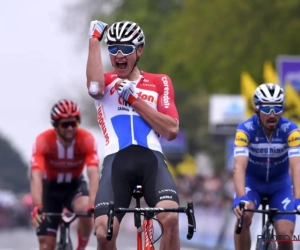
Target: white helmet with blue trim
pixel 268 93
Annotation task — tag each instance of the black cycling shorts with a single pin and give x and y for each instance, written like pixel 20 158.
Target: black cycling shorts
pixel 55 198
pixel 134 165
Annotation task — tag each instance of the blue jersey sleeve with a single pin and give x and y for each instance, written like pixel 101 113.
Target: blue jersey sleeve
pixel 241 141
pixel 293 138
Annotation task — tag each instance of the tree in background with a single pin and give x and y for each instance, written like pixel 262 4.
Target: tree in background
pixel 13 171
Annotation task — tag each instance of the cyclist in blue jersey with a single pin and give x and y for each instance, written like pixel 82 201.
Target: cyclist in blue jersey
pixel 134 108
pixel 266 145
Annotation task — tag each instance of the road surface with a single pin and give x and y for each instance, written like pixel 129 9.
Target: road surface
pixel 25 239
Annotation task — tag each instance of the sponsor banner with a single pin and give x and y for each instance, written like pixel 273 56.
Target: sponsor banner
pixel 288 69
pixel 225 113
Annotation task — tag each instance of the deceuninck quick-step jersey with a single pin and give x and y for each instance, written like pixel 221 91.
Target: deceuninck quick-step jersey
pixel 268 158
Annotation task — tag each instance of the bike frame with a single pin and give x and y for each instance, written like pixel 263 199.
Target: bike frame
pixel 64 241
pixel 148 236
pixel 147 230
pixel 266 233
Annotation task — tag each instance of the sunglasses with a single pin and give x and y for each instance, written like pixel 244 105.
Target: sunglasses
pixel 267 109
pixel 73 124
pixel 125 49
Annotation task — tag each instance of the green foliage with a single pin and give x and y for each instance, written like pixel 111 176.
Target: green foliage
pixel 204 45
pixel 13 171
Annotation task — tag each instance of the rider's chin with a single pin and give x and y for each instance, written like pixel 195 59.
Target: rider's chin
pixel 271 127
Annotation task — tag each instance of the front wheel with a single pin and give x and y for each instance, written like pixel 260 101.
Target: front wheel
pixel 70 247
pixel 262 245
pixel 66 246
pixel 272 246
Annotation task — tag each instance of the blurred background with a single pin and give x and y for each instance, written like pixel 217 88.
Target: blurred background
pixel 216 53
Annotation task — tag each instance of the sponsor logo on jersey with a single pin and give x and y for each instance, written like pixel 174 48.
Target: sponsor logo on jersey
pixel 268 161
pixel 294 152
pixel 146 84
pixel 294 139
pixel 143 96
pixel 249 125
pixel 113 89
pixel 241 151
pixel 241 139
pixel 101 123
pixel 285 126
pixel 276 140
pixel 166 98
pixel 268 149
pixel 65 164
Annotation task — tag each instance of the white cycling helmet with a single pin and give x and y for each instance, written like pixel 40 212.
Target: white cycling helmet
pixel 268 93
pixel 125 32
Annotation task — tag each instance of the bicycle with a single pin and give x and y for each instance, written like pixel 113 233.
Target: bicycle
pixel 266 241
pixel 149 214
pixel 64 242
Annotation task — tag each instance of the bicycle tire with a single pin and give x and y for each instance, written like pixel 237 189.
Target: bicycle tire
pixel 69 245
pixel 59 246
pixel 269 246
pixel 259 244
pixel 64 247
pixel 272 246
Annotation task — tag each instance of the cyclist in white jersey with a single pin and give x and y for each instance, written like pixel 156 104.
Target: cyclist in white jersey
pixel 134 108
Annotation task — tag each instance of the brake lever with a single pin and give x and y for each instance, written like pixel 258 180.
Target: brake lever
pixel 191 220
pixel 110 221
pixel 239 227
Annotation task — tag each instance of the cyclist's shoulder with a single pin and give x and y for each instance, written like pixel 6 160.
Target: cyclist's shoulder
pixel 45 140
pixel 46 135
pixel 109 77
pixel 157 77
pixel 83 133
pixel 286 126
pixel 84 138
pixel 249 126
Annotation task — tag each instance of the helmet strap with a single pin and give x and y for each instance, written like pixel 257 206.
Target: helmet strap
pixel 136 61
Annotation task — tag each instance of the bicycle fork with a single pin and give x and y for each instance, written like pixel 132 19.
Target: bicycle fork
pixel 64 243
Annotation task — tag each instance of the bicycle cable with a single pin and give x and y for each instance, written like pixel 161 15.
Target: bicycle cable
pixel 162 230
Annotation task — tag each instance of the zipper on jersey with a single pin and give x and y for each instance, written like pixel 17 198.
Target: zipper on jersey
pixel 268 159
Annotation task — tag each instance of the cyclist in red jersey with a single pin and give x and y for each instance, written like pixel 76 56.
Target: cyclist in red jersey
pixel 134 108
pixel 58 160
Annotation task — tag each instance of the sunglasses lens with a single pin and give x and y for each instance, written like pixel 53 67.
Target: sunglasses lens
pixel 269 109
pixel 68 124
pixel 113 49
pixel 125 49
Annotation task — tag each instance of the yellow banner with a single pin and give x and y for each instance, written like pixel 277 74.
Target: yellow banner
pixel 292 98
